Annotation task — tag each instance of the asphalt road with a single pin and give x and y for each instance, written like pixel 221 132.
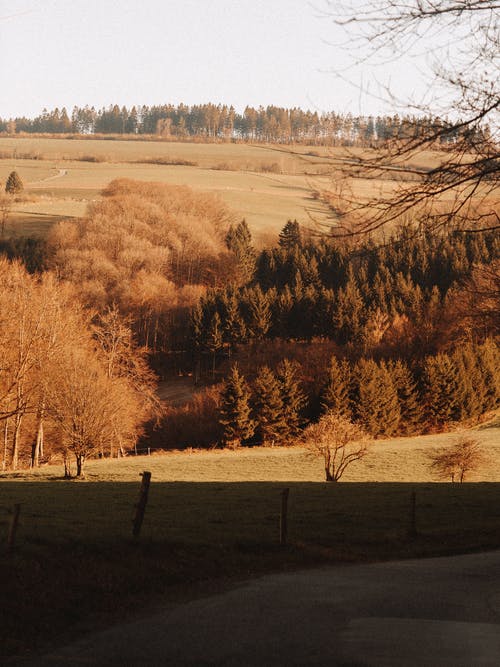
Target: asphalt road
pixel 441 611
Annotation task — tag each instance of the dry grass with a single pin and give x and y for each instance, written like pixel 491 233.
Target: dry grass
pixel 265 184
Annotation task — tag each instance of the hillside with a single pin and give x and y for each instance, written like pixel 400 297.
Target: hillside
pixel 266 184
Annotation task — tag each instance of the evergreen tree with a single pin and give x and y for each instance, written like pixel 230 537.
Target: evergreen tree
pixel 472 389
pixel 214 338
pixel 235 410
pixel 349 313
pixel 293 398
pixel 335 396
pixel 239 241
pixel 377 407
pixel 268 407
pixel 488 356
pixel 233 324
pixel 441 388
pixel 14 184
pixel 409 400
pixel 259 313
pixel 290 236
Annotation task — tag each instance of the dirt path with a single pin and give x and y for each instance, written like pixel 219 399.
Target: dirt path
pixel 60 174
pixel 441 611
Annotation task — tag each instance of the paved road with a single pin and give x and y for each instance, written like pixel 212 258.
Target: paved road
pixel 443 611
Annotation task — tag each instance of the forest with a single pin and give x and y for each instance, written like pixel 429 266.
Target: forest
pixel 216 122
pixel 398 333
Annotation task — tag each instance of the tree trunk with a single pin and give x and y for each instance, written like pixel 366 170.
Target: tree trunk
pixel 37 450
pixel 80 460
pixel 67 466
pixel 5 443
pixel 15 441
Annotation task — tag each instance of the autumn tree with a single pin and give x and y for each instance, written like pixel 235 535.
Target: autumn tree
pixel 458 460
pixel 338 442
pixel 89 408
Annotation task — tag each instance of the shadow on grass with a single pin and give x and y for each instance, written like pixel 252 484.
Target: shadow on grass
pixel 75 562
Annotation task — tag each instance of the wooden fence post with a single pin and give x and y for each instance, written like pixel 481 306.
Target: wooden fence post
pixel 412 527
pixel 140 508
pixel 14 522
pixel 284 517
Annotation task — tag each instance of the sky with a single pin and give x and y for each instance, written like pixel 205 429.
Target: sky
pixel 56 53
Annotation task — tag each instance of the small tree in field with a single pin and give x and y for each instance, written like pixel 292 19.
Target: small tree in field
pixel 14 184
pixel 455 462
pixel 338 441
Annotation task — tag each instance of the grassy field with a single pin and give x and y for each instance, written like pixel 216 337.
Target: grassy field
pixel 267 185
pixel 214 516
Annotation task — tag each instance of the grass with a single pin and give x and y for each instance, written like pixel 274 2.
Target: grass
pixel 266 184
pixel 212 517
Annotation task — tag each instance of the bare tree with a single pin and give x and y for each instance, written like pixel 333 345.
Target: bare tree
pixel 463 40
pixel 338 442
pixel 455 462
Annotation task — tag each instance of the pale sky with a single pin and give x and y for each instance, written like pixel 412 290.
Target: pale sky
pixel 255 52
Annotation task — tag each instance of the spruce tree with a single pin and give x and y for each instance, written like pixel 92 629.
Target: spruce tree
pixel 293 398
pixel 441 388
pixel 410 405
pixel 290 236
pixel 14 184
pixel 239 241
pixel 233 323
pixel 472 390
pixel 335 396
pixel 259 313
pixel 377 407
pixel 488 357
pixel 268 407
pixel 214 338
pixel 235 410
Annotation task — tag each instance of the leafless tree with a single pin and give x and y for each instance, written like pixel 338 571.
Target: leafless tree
pixel 338 442
pixel 455 462
pixel 463 42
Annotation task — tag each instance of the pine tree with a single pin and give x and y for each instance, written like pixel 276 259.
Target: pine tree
pixel 472 389
pixel 234 325
pixel 488 356
pixel 14 184
pixel 235 410
pixel 441 387
pixel 293 398
pixel 335 396
pixel 377 407
pixel 410 405
pixel 268 407
pixel 239 241
pixel 290 236
pixel 214 338
pixel 259 313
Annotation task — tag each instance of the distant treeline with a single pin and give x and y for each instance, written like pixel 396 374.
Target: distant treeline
pixel 216 122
